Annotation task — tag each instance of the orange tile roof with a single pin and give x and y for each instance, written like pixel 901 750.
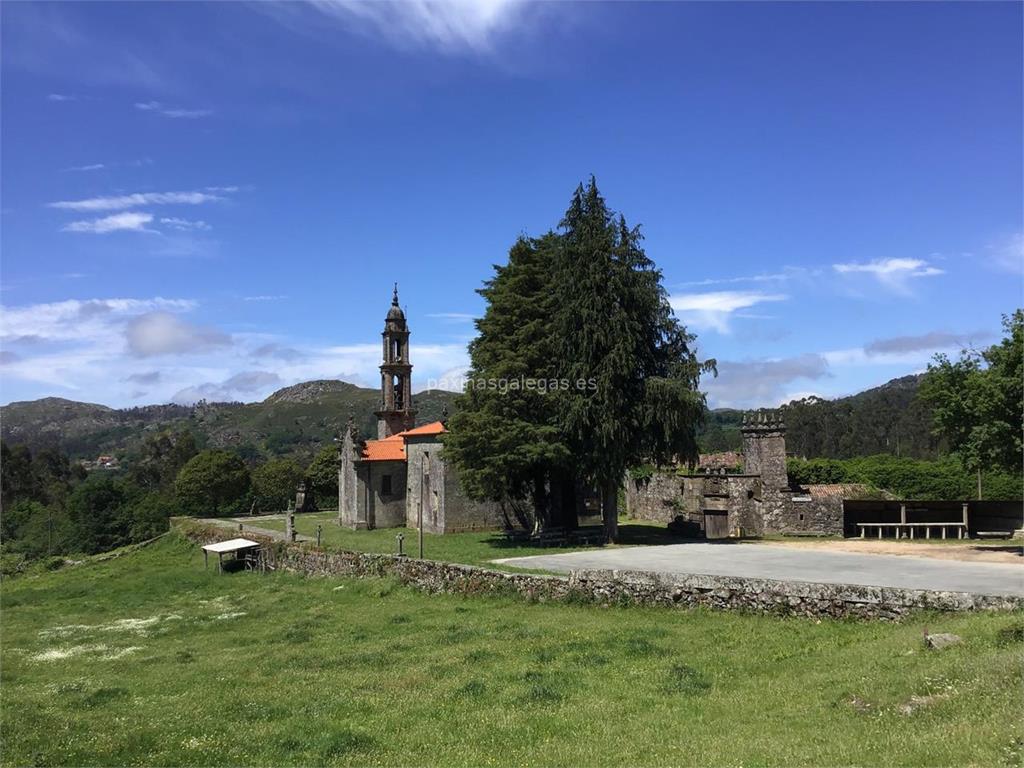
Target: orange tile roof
pixel 389 449
pixel 393 448
pixel 836 490
pixel 433 428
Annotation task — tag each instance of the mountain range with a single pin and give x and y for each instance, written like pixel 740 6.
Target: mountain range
pixel 298 420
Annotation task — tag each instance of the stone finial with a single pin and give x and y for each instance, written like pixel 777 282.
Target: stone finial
pixel 394 296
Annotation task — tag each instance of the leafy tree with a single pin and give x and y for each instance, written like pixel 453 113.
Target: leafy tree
pixel 978 401
pixel 150 515
pixel 323 477
pixel 274 483
pixel 37 530
pixel 213 483
pixel 161 458
pixel 96 509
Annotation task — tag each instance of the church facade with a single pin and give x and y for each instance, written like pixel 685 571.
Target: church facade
pixel 401 478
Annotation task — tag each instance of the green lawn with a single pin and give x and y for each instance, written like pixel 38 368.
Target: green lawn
pixel 148 659
pixel 470 548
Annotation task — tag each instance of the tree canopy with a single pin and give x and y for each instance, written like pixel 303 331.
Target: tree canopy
pixel 579 371
pixel 977 400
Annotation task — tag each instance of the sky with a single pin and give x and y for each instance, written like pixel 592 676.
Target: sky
pixel 213 200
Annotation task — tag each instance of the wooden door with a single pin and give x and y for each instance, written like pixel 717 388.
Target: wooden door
pixel 716 524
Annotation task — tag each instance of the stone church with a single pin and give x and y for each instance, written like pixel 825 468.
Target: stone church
pixel 401 478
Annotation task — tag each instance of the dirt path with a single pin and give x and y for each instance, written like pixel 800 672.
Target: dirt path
pixel 1008 552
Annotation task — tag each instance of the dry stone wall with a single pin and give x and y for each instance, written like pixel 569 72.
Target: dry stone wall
pixel 615 587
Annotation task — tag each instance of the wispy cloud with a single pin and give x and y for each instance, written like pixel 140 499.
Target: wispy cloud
pixel 119 222
pixel 453 317
pixel 1007 255
pixel 894 274
pixel 788 273
pixel 75 320
pixel 120 202
pixel 447 27
pixel 175 112
pixel 752 383
pixel 932 341
pixel 60 97
pixel 184 224
pixel 239 386
pixel 161 333
pixel 266 297
pixel 93 167
pixel 713 310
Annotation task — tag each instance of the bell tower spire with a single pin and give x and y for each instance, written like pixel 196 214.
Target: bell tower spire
pixel 396 413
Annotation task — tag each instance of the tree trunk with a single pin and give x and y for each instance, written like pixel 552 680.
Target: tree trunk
pixel 563 497
pixel 541 513
pixel 610 511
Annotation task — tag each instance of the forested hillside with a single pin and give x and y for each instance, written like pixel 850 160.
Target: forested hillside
pixel 886 419
pixel 294 422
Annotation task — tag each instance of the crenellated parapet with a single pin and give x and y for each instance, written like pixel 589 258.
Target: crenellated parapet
pixel 763 420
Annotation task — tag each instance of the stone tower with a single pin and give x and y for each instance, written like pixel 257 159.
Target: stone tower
pixel 764 448
pixel 396 413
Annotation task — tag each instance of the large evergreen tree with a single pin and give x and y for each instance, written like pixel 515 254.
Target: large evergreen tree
pixel 504 434
pixel 618 334
pixel 583 310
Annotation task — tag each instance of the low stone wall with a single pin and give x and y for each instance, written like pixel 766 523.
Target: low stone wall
pixel 615 587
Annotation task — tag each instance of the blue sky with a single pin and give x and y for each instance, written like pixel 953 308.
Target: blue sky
pixel 213 199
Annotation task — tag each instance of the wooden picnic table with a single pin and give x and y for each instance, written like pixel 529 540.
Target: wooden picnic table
pixel 240 548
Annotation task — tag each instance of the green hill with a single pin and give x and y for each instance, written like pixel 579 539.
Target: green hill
pixel 294 421
pixel 298 420
pixel 885 419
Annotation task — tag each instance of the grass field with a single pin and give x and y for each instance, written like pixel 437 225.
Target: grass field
pixel 469 548
pixel 147 659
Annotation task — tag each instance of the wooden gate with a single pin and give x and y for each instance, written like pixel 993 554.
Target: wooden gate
pixel 716 523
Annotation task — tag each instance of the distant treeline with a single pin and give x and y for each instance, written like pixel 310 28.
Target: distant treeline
pixel 53 508
pixel 940 479
pixel 888 419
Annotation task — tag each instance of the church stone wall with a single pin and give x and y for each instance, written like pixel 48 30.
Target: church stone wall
pixel 385 510
pixel 425 490
pixel 462 514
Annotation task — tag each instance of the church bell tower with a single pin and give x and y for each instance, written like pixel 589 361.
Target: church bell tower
pixel 396 413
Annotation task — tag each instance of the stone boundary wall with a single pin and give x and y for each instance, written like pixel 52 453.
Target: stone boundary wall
pixel 614 587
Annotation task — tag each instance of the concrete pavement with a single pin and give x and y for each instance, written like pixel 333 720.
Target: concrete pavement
pixel 761 561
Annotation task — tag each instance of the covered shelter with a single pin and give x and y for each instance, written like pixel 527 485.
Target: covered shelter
pixel 242 549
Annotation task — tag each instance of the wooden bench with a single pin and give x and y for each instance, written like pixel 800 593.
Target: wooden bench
pixel 907 530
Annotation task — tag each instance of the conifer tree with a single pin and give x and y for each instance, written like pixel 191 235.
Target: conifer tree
pixel 618 334
pixel 504 435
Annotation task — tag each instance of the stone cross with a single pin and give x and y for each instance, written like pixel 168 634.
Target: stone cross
pixel 289 523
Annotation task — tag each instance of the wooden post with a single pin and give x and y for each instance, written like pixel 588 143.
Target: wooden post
pixel 206 560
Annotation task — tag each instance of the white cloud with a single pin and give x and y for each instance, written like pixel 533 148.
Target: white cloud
pixel 894 274
pixel 120 202
pixel 161 333
pixel 129 221
pixel 1008 255
pixel 176 112
pixel 265 297
pixel 454 317
pixel 61 97
pixel 448 27
pixel 93 167
pixel 933 340
pixel 184 224
pixel 761 383
pixel 712 310
pixel 242 385
pixel 80 321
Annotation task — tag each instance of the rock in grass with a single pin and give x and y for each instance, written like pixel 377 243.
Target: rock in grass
pixel 941 640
